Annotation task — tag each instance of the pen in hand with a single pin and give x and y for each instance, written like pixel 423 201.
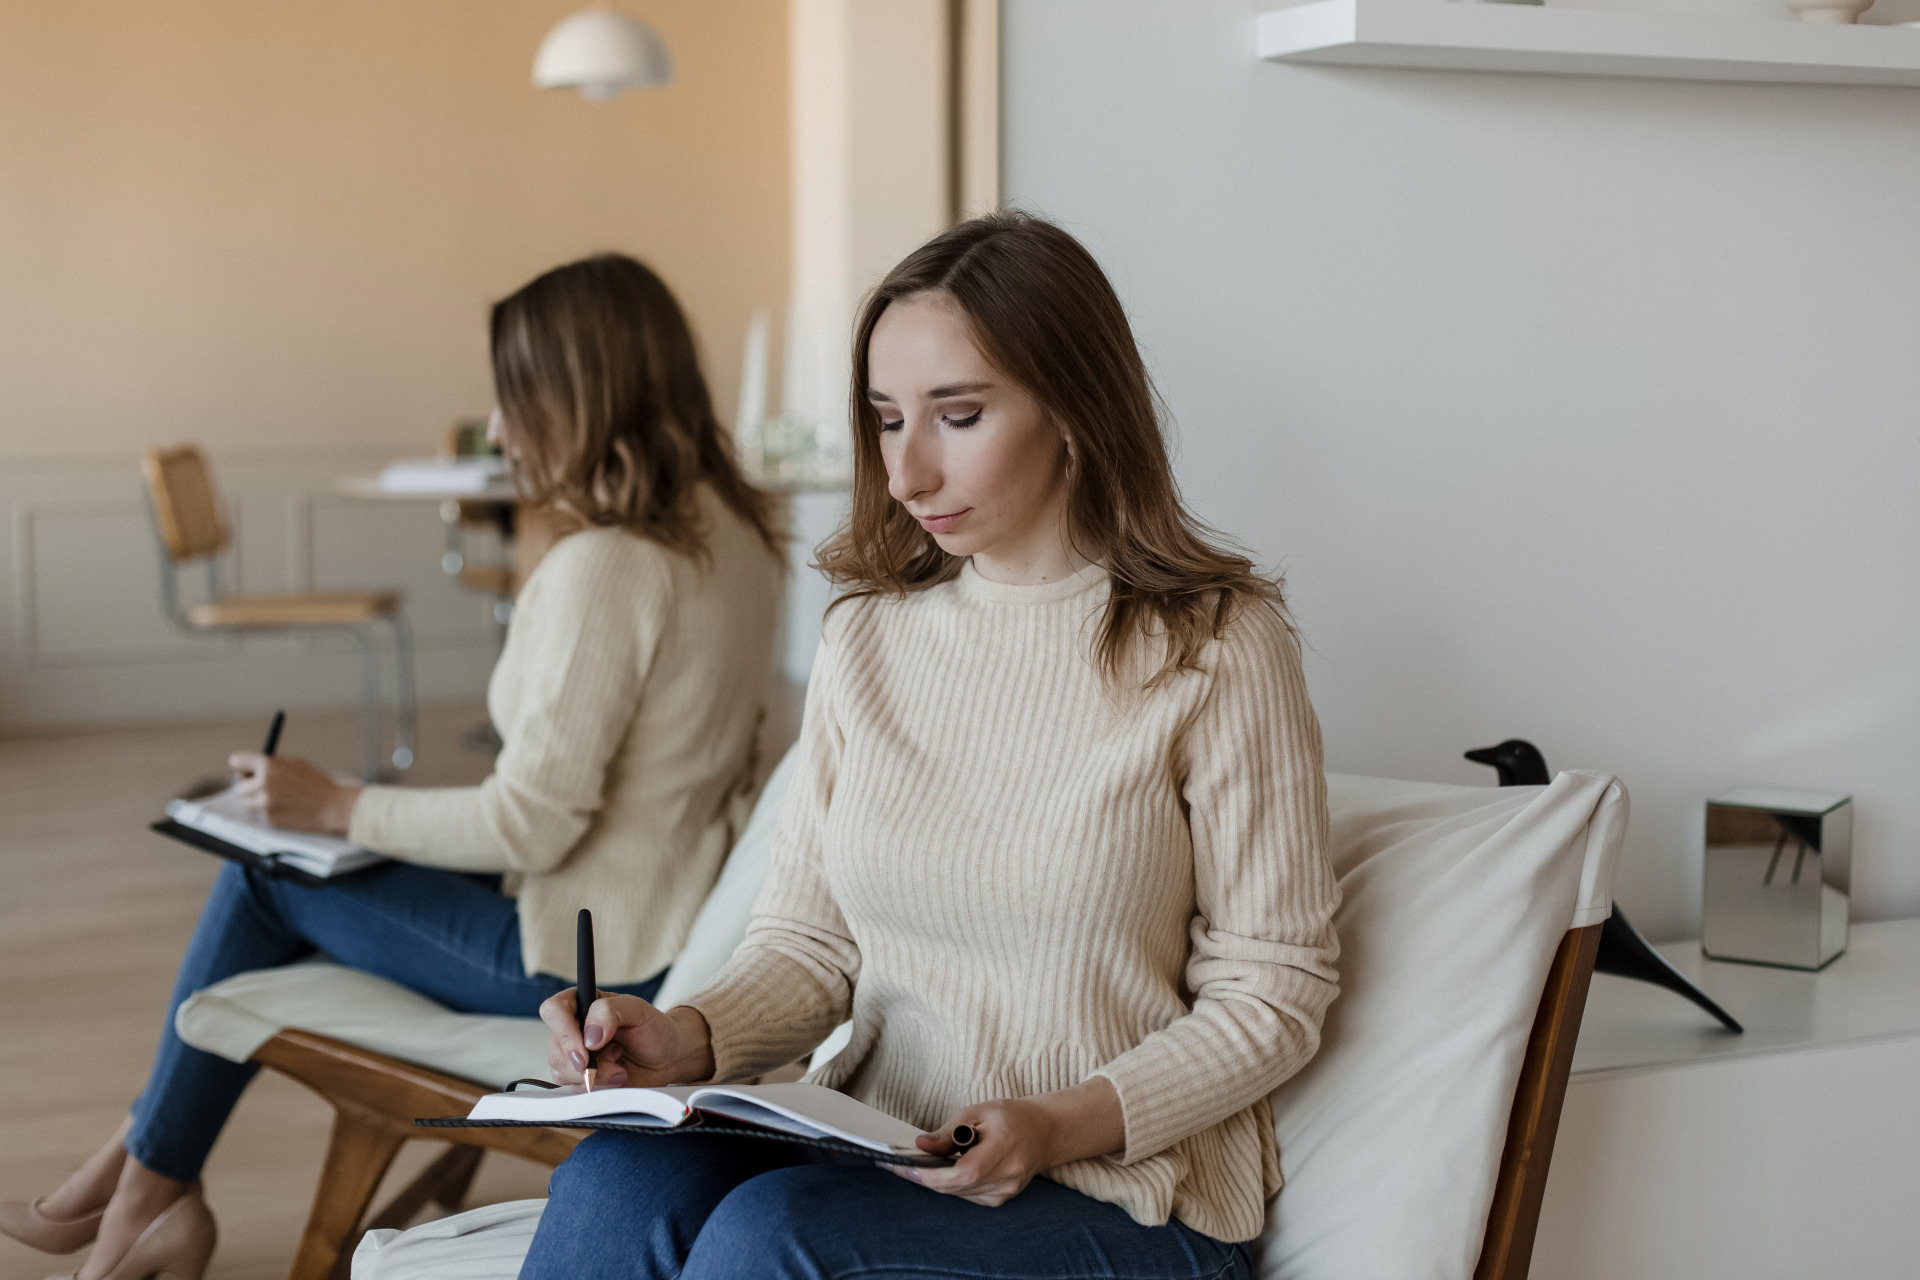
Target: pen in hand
pixel 586 990
pixel 273 733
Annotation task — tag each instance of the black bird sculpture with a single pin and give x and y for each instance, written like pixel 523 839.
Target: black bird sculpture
pixel 1623 952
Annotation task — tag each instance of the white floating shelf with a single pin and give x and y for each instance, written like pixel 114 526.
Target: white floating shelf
pixel 1448 35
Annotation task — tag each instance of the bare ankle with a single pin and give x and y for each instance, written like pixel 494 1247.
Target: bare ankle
pixel 143 1191
pixel 93 1184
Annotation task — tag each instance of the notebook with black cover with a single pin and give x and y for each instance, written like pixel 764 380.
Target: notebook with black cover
pixel 807 1114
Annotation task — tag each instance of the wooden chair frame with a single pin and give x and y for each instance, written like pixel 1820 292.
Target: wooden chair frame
pixel 376 1099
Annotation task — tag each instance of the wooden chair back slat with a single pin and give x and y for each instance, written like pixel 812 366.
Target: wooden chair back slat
pixel 1507 1248
pixel 185 503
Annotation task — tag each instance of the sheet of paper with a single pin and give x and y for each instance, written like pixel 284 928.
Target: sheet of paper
pixel 225 817
pixel 555 1106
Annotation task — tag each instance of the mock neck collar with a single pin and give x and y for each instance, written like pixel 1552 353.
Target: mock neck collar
pixel 975 586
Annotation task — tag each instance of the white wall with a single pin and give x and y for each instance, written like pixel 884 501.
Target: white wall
pixel 1583 410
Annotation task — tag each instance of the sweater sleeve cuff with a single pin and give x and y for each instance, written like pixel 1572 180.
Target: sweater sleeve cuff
pixel 1156 1096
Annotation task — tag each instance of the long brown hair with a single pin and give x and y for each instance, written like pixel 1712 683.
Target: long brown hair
pixel 1043 313
pixel 609 419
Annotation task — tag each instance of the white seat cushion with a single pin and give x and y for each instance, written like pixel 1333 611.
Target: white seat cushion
pixel 235 1017
pixel 488 1243
pixel 1455 900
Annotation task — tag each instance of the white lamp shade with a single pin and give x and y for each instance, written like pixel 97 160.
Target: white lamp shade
pixel 602 52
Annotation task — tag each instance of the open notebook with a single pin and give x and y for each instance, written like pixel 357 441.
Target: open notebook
pixel 227 820
pixel 797 1112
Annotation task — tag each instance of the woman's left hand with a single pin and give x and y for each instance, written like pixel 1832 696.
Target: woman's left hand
pixel 1021 1137
pixel 293 794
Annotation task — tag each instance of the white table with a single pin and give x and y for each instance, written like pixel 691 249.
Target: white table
pixel 1790 1151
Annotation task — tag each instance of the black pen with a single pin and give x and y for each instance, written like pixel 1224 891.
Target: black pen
pixel 585 991
pixel 273 734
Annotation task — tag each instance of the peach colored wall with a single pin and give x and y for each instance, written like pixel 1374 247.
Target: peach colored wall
pixel 275 226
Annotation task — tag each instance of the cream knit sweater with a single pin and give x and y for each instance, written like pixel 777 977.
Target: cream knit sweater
pixel 628 696
pixel 1012 879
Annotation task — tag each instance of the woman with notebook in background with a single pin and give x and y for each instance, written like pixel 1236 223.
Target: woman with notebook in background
pixel 1054 844
pixel 628 696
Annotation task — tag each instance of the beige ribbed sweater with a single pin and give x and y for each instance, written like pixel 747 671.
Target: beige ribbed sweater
pixel 628 696
pixel 1012 880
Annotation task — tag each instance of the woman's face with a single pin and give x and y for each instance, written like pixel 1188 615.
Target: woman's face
pixel 968 452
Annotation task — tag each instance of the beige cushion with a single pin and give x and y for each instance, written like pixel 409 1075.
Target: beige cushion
pixel 235 1017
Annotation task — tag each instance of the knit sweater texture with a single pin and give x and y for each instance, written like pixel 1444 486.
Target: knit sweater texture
pixel 1012 878
pixel 628 697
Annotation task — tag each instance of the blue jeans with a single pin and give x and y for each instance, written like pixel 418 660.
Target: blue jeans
pixel 709 1207
pixel 454 938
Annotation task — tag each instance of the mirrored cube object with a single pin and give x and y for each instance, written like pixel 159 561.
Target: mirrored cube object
pixel 1779 872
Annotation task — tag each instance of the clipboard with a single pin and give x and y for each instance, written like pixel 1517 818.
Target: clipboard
pixel 266 864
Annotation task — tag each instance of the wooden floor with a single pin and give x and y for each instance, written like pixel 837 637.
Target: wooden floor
pixel 94 913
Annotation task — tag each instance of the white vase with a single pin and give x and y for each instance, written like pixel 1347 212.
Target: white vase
pixel 1829 10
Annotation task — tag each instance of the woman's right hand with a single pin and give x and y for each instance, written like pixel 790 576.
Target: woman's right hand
pixel 636 1043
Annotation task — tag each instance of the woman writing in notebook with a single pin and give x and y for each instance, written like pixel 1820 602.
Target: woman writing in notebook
pixel 628 697
pixel 1055 842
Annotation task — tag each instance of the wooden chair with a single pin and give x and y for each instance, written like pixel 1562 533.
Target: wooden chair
pixel 376 1099
pixel 189 523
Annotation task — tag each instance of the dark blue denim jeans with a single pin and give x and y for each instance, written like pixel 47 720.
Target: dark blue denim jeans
pixel 709 1207
pixel 454 938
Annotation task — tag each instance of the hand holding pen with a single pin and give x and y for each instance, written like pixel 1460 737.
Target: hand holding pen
pixel 289 792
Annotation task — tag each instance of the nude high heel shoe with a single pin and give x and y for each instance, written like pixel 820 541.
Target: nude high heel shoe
pixel 178 1244
pixel 29 1224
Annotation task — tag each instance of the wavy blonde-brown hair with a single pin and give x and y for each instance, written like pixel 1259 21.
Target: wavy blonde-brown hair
pixel 608 418
pixel 1043 314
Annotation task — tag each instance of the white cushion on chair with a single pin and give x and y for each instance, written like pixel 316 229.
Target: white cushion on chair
pixel 728 910
pixel 1454 902
pixel 1456 899
pixel 488 1243
pixel 235 1017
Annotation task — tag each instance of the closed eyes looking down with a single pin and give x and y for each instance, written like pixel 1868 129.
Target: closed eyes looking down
pixel 968 421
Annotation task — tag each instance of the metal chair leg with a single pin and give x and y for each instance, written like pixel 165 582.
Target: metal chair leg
pixel 369 704
pixel 403 693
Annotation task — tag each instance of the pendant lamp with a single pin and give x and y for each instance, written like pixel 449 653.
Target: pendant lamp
pixel 602 53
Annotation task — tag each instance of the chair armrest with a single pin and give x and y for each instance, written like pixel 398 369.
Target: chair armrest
pixel 393 1094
